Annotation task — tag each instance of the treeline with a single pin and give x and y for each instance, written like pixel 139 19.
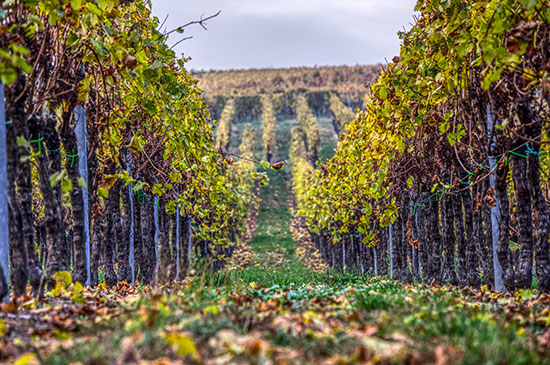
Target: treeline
pixel 110 166
pixel 444 177
pixel 247 86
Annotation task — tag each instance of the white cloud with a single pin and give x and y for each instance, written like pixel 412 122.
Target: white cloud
pixel 257 33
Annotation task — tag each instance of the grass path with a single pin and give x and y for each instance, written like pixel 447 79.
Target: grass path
pixel 273 243
pixel 274 248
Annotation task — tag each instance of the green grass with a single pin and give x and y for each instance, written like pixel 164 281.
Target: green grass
pixel 273 224
pixel 328 139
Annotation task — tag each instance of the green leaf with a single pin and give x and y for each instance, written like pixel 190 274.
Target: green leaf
pixel 104 193
pixel 82 183
pixel 92 8
pixel 491 76
pixel 138 186
pixel 390 209
pixel 157 64
pixel 76 4
pixel 106 4
pixel 212 309
pixel 100 48
pixel 401 146
pixel 513 246
pixel 8 75
pixel 22 50
pixel 452 138
pixel 66 185
pixel 22 142
pixel 383 92
pixel 529 4
pixel 57 177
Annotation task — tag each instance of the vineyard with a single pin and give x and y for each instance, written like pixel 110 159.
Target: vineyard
pixel 396 213
pixel 246 87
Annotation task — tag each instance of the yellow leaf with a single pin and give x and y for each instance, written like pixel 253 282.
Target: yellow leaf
pixel 63 277
pixel 309 315
pixel 78 288
pixel 2 328
pixel 211 309
pixel 183 344
pixel 61 335
pixel 27 359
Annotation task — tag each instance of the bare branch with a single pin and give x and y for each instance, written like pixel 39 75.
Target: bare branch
pixel 181 40
pixel 201 22
pixel 164 21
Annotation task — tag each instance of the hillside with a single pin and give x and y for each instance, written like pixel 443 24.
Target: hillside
pixel 249 82
pixel 351 83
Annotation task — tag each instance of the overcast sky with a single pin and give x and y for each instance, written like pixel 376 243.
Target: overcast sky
pixel 285 33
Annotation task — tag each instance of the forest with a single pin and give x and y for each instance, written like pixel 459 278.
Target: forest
pixel 393 213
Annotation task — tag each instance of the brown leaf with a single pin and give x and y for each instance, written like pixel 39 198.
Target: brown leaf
pixel 8 307
pixel 130 61
pixel 447 354
pixel 278 166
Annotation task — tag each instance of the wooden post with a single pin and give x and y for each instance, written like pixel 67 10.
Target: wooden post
pixel 189 241
pixel 391 251
pixel 495 212
pixel 178 243
pixel 156 239
pixel 4 220
pixel 131 255
pixel 80 131
pixel 344 256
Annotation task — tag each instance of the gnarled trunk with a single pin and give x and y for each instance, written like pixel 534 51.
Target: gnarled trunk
pixel 147 266
pixel 472 278
pixel 542 222
pixel 53 215
pixel 112 229
pixel 524 274
pixel 68 138
pixel 503 251
pixel 449 273
pixel 123 251
pixel 461 241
